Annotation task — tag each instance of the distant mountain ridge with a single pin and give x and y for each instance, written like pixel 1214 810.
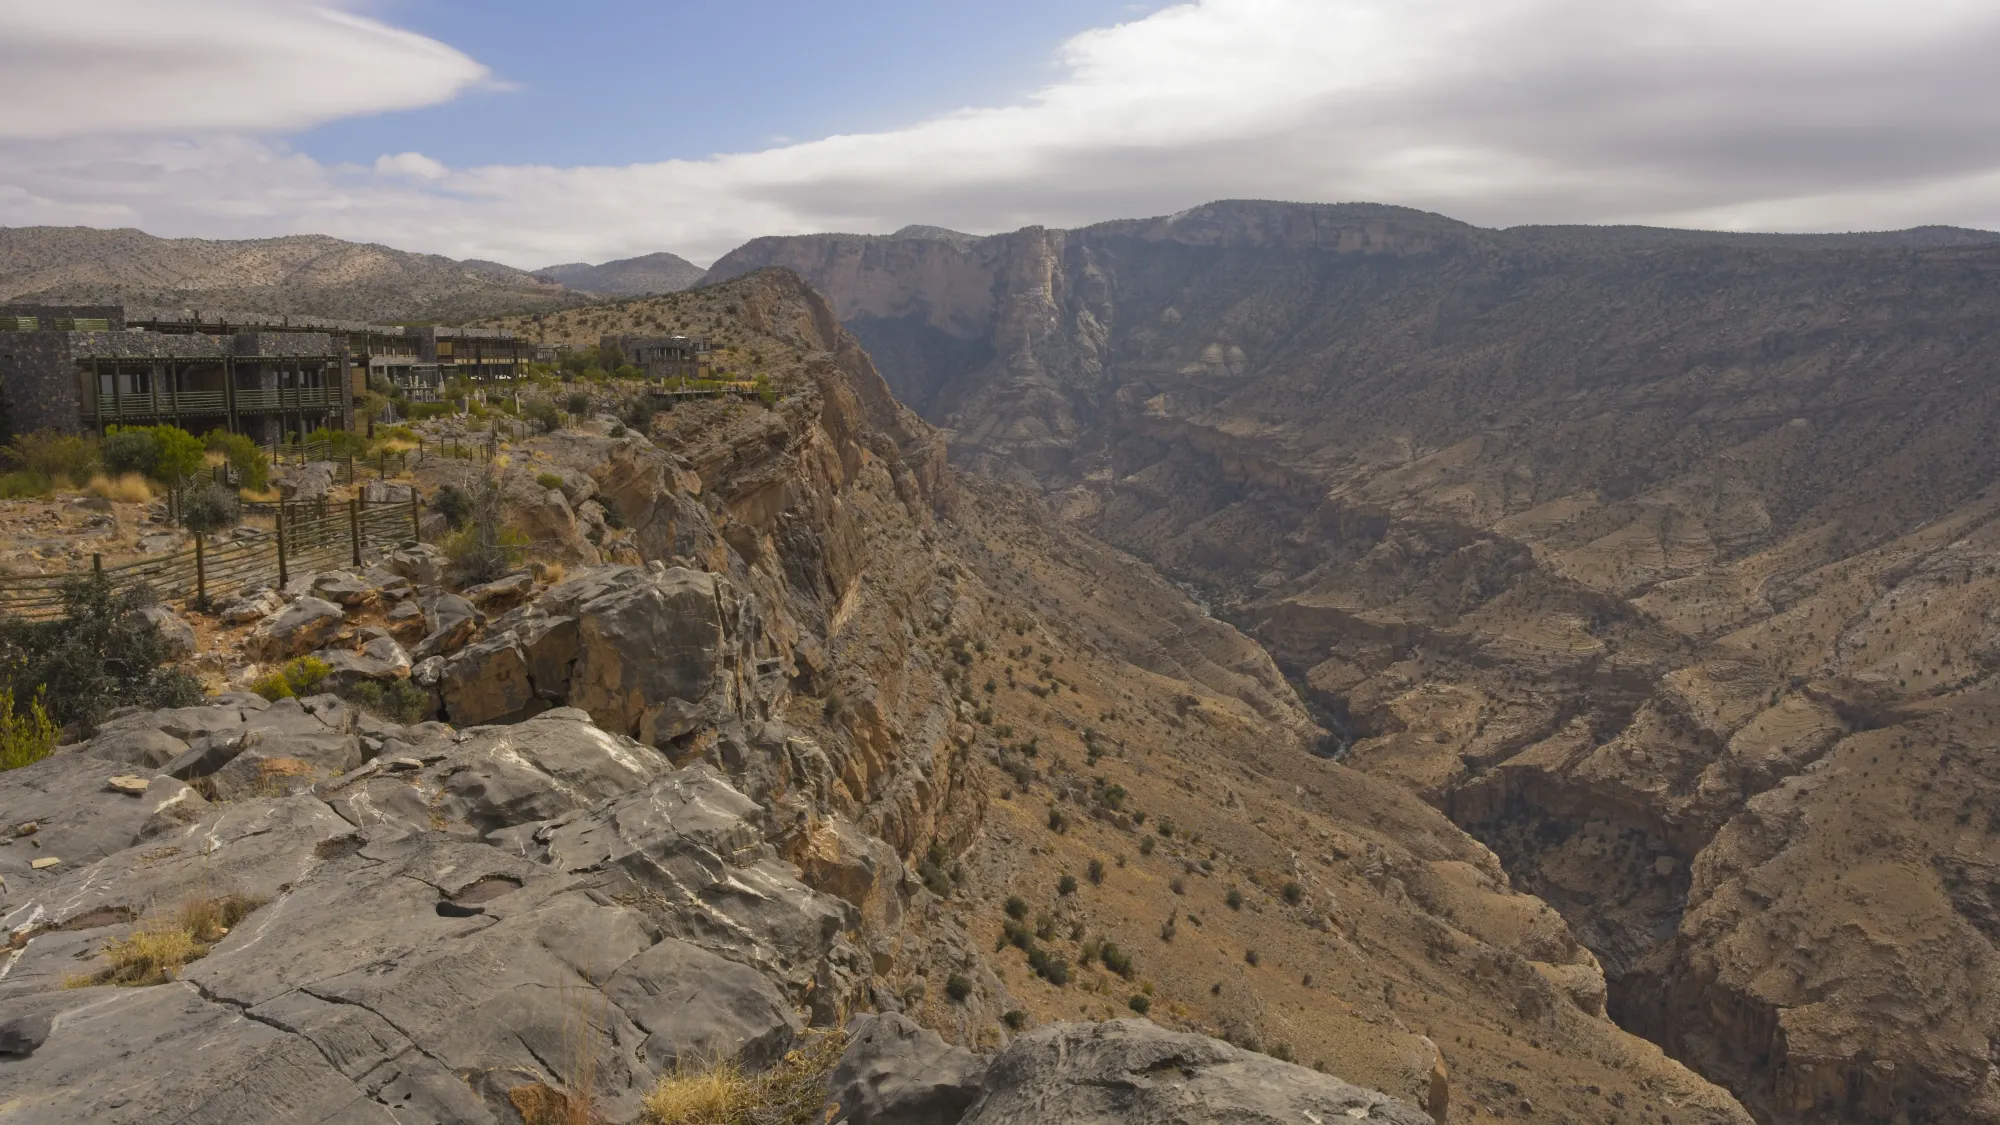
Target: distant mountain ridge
pixel 643 276
pixel 310 274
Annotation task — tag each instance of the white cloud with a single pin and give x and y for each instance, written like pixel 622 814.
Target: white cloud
pixel 126 66
pixel 411 164
pixel 1777 114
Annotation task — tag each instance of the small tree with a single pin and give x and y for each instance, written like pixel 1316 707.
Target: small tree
pixel 180 454
pixel 99 654
pixel 130 450
pixel 487 548
pixel 56 457
pixel 246 457
pixel 544 415
pixel 209 509
pixel 578 403
pixel 454 504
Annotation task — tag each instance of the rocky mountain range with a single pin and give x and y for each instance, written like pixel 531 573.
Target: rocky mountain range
pixel 643 276
pixel 1663 562
pixel 311 275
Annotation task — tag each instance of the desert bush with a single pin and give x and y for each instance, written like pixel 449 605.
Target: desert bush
pixel 1016 908
pixel 454 504
pixel 61 458
pixel 130 450
pixel 339 443
pixel 638 413
pixel 551 482
pixel 577 403
pixel 210 508
pixel 246 457
pixel 27 734
pixel 398 701
pixel 96 655
pixel 544 415
pixel 486 547
pixel 1140 1003
pixel 958 987
pixel 22 484
pixel 1097 872
pixel 297 677
pixel 1234 899
pixel 1115 959
pixel 1066 885
pixel 1294 894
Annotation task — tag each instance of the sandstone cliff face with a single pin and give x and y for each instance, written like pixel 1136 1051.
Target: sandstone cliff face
pixel 1635 551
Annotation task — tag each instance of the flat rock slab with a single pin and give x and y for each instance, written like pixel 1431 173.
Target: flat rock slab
pixel 1134 1072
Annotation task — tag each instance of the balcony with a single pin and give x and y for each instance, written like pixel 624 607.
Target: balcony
pixel 213 403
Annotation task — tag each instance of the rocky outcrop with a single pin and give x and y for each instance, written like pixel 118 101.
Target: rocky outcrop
pixel 465 915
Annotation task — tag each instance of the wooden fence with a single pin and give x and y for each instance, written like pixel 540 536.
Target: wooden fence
pixel 307 537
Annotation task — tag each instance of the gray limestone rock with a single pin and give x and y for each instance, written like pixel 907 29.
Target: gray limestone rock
pixel 299 628
pixel 178 634
pixel 1134 1072
pixel 895 1072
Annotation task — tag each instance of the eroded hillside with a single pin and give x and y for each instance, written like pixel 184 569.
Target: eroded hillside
pixel 310 275
pixel 1662 561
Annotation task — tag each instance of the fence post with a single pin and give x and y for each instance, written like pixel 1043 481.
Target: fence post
pixel 354 528
pixel 283 575
pixel 382 464
pixel 200 575
pixel 96 563
pixel 416 524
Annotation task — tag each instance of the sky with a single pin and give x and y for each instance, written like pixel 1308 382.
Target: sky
pixel 536 133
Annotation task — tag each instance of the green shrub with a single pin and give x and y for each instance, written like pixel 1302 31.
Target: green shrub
pixel 1115 959
pixel 454 504
pixel 340 444
pixel 398 701
pixel 1016 909
pixel 486 548
pixel 97 655
pixel 1015 1019
pixel 130 450
pixel 1140 1003
pixel 55 456
pixel 957 987
pixel 210 508
pixel 544 415
pixel 252 465
pixel 27 735
pixel 21 484
pixel 550 482
pixel 578 403
pixel 1066 885
pixel 298 677
pixel 1234 898
pixel 1294 894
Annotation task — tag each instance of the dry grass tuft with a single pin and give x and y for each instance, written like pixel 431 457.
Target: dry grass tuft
pixel 158 951
pixel 791 1093
pixel 716 1095
pixel 130 488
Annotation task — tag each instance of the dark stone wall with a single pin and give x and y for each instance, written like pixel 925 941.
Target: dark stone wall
pixel 38 380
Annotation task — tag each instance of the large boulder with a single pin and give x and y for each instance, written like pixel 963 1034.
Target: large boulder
pixel 895 1072
pixel 177 634
pixel 651 652
pixel 306 482
pixel 299 628
pixel 1134 1072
